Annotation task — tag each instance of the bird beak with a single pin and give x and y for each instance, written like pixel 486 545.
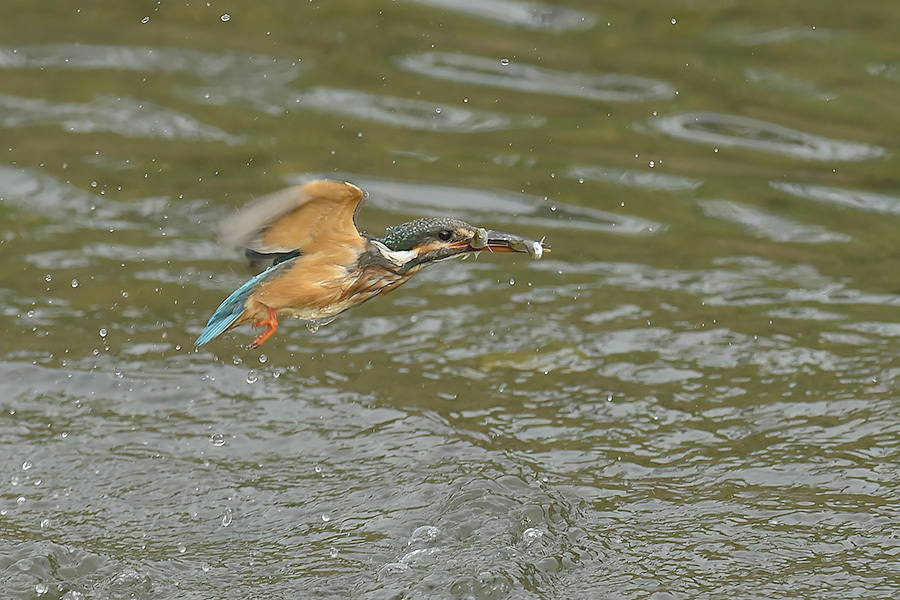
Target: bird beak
pixel 499 241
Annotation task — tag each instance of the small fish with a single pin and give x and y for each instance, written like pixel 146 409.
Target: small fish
pixel 509 242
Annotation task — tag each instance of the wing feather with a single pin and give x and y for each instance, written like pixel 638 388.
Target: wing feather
pixel 311 218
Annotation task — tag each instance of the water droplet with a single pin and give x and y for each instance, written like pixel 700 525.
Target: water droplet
pixel 217 439
pixel 438 110
pixel 312 326
pixel 182 548
pixel 74 283
pixel 30 313
pixel 325 518
pixel 423 535
pixel 226 17
pixel 252 377
pixel 227 517
pixel 145 20
pixel 103 332
pixel 118 373
pixel 236 360
pixel 27 465
pixel 263 358
pixel 41 589
pixel 674 21
pixel 48 277
pixel 333 553
pixel 531 535
pixel 45 523
pixel 504 62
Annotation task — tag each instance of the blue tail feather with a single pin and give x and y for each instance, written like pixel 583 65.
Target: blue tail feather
pixel 234 306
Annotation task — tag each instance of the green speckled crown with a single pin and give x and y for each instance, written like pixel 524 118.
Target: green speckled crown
pixel 408 235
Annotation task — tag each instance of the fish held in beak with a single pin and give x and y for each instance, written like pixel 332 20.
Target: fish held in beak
pixel 499 241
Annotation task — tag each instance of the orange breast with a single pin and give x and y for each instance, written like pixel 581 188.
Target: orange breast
pixel 316 288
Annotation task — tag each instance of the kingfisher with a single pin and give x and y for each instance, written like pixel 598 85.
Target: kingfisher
pixel 319 264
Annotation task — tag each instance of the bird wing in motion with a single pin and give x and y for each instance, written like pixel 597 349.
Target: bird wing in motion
pixel 305 219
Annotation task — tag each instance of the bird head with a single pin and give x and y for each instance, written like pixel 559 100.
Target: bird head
pixel 428 240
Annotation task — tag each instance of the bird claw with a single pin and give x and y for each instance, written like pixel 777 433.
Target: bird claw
pixel 271 325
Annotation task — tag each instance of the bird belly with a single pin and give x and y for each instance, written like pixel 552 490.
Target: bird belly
pixel 321 292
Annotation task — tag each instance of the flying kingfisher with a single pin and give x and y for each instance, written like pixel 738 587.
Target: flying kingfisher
pixel 319 264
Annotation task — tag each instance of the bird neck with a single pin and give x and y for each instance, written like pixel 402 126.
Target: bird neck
pixel 378 254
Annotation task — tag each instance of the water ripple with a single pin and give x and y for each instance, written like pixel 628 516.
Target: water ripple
pixel 235 67
pixel 527 15
pixel 772 79
pixel 124 116
pixel 753 134
pixel 735 281
pixel 36 192
pixel 494 206
pixel 891 72
pixel 867 201
pixel 634 178
pixel 607 87
pixel 400 112
pixel 767 225
pixel 779 36
pixel 409 113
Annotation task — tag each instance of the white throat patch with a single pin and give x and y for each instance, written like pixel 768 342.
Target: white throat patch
pixel 396 257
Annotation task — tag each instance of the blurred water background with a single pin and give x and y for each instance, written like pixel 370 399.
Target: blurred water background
pixel 695 395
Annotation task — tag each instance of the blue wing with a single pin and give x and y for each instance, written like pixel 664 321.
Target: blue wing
pixel 236 304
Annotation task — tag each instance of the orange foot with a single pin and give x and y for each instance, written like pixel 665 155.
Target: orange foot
pixel 271 325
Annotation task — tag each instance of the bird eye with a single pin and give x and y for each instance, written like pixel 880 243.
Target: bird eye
pixel 445 235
